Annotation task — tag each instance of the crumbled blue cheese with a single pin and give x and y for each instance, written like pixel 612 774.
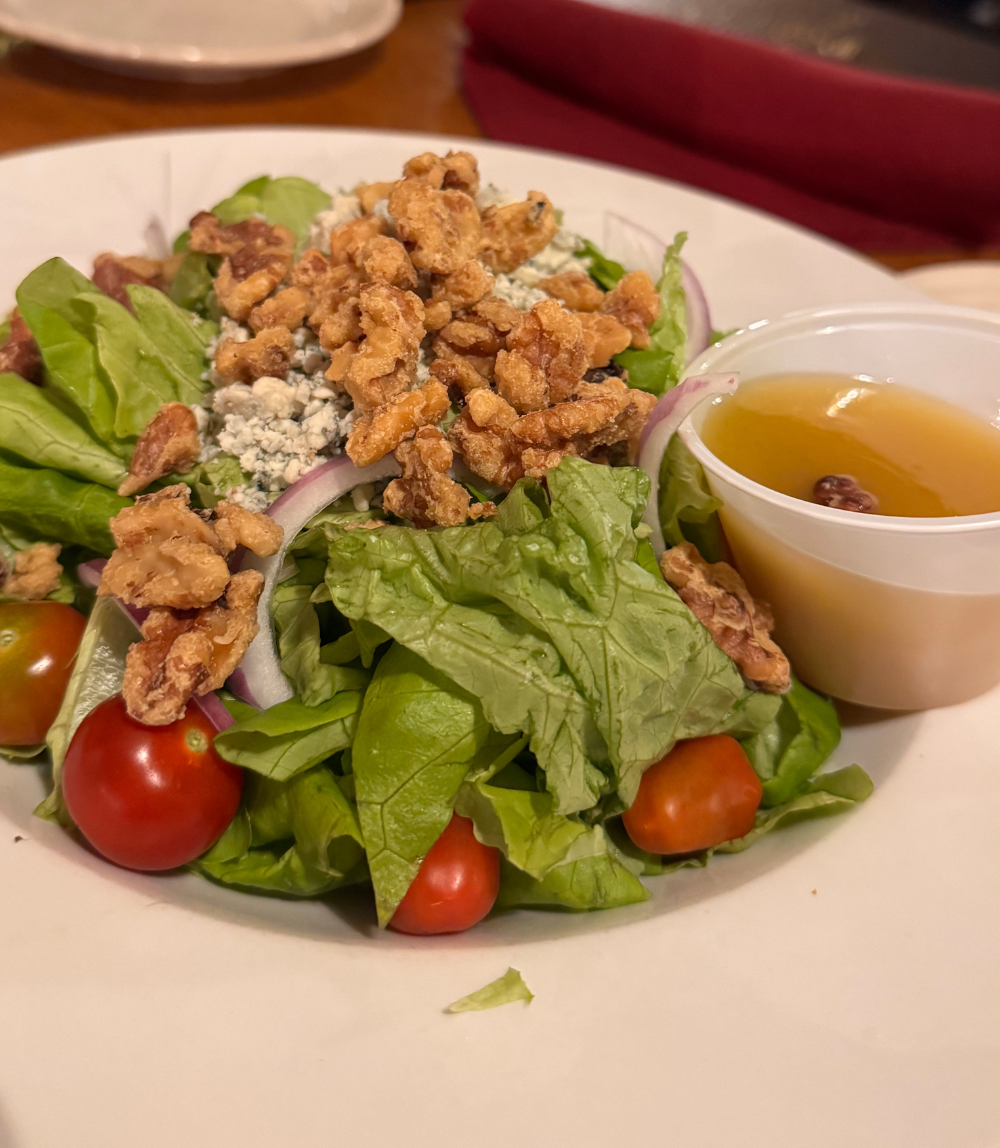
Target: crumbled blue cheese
pixel 489 195
pixel 344 208
pixel 519 288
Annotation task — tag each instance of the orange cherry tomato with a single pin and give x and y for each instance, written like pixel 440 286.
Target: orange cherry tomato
pixel 38 644
pixel 704 792
pixel 455 887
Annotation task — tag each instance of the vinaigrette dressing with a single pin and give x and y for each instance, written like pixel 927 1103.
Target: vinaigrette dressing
pixel 920 456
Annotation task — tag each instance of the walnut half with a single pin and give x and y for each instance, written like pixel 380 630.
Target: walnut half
pixel 740 626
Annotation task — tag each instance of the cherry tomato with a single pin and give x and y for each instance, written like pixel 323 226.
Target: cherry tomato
pixel 148 797
pixel 455 887
pixel 38 644
pixel 704 792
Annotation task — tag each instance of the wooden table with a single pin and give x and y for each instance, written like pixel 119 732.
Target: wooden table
pixel 409 81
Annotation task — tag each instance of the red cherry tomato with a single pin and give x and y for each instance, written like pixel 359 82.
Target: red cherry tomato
pixel 704 792
pixel 38 643
pixel 149 797
pixel 455 887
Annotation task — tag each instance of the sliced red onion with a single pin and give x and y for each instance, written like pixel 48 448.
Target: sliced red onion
pixel 215 711
pixel 662 424
pixel 638 249
pixel 260 681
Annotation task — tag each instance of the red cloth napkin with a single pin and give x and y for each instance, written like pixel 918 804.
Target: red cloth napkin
pixel 871 160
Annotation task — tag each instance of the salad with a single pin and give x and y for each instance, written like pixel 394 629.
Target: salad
pixel 350 543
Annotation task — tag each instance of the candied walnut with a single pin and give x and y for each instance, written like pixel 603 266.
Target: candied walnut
pixel 384 260
pixel 574 289
pixel 286 309
pixel 167 555
pixel 168 445
pixel 468 335
pixel 458 373
pixel 465 286
pixel 634 302
pixel 20 354
pixel 349 239
pixel 498 313
pixel 437 314
pixel 603 338
pixel 550 340
pixel 342 326
pixel 426 495
pixel 258 257
pixel 486 449
pixel 599 415
pixel 521 383
pixel 35 573
pixel 517 232
pixel 268 353
pixel 385 362
pixel 382 430
pixel 311 271
pixel 235 526
pixel 371 193
pixel 114 273
pixel 189 654
pixel 843 492
pixel 489 410
pixel 457 170
pixel 739 625
pixel 441 229
pixel 462 172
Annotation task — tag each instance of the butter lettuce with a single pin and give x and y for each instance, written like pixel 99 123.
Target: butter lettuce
pixel 504 990
pixel 291 737
pixel 687 508
pixel 545 616
pixel 297 838
pixel 418 737
pixel 64 446
pixel 288 200
pixel 661 365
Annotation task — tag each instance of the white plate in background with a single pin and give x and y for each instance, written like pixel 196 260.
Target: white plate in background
pixel 969 283
pixel 201 40
pixel 835 985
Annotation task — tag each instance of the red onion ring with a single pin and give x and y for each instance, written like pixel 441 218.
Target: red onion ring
pixel 638 249
pixel 662 424
pixel 259 681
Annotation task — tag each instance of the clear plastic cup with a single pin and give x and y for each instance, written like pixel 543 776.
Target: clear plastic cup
pixel 896 613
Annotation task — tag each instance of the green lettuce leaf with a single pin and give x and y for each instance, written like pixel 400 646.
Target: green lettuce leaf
pixel 288 200
pixel 792 748
pixel 53 286
pixel 212 481
pixel 688 509
pixel 545 616
pixel 291 737
pixel 143 377
pixel 598 881
pixel 523 824
pixel 297 838
pixel 97 675
pixel 73 370
pixel 180 337
pixel 5 326
pixel 661 365
pixel 604 271
pixel 504 990
pixel 418 737
pixel 192 283
pixel 34 430
pixel 45 504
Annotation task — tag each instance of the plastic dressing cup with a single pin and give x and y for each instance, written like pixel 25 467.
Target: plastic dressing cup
pixel 898 613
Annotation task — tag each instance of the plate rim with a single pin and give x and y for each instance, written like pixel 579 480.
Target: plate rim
pixel 192 58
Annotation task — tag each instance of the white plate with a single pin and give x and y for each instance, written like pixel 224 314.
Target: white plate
pixel 971 283
pixel 204 40
pixel 837 985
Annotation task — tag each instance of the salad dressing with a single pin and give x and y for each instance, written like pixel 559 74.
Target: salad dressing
pixel 920 456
